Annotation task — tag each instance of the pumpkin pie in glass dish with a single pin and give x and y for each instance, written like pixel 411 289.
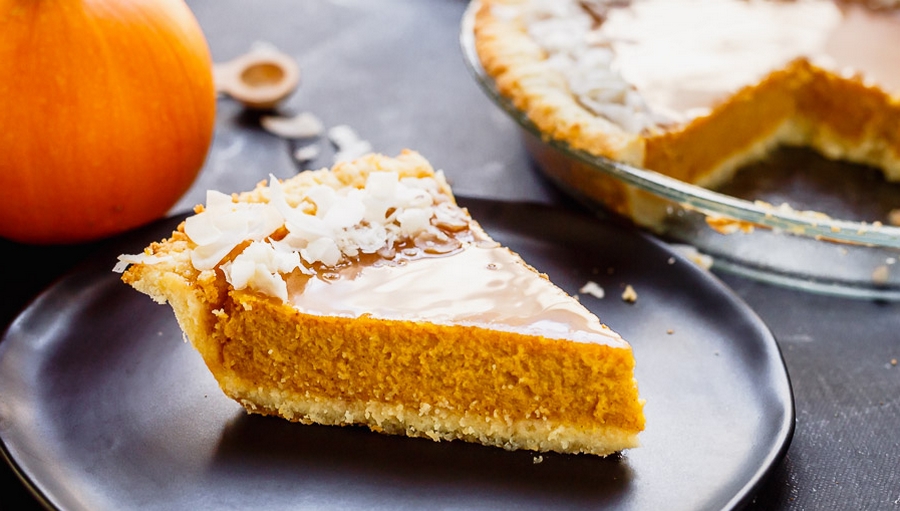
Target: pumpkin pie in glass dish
pixel 649 109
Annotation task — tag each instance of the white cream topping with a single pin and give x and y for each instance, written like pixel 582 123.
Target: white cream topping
pixel 686 55
pixel 481 284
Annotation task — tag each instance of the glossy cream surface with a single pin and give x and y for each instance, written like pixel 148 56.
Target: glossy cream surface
pixel 684 56
pixel 482 284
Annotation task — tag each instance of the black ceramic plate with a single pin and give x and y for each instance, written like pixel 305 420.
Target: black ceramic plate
pixel 103 406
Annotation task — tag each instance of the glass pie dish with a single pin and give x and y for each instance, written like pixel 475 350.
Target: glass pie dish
pixel 792 223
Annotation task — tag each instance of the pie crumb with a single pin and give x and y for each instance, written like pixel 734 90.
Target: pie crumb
pixel 695 256
pixel 593 289
pixel 894 217
pixel 629 295
pixel 881 275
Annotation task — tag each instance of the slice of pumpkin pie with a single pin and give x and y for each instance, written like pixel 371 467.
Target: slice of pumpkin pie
pixel 365 295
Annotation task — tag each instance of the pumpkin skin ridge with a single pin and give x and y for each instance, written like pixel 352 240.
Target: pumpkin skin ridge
pixel 120 149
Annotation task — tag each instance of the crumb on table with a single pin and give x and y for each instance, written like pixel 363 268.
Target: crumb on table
pixel 629 295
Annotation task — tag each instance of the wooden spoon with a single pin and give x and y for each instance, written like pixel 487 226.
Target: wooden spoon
pixel 260 78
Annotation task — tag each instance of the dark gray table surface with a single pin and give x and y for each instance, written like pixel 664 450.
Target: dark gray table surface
pixel 393 71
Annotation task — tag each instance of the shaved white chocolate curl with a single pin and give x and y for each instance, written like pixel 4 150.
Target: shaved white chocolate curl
pixel 225 224
pixel 319 221
pixel 259 267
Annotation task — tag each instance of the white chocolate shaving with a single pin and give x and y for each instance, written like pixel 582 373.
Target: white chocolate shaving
pixel 307 153
pixel 578 50
pixel 260 266
pixel 225 224
pixel 302 125
pixel 126 260
pixel 321 226
pixel 349 145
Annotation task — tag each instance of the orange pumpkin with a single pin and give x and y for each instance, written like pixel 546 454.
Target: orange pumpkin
pixel 107 109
